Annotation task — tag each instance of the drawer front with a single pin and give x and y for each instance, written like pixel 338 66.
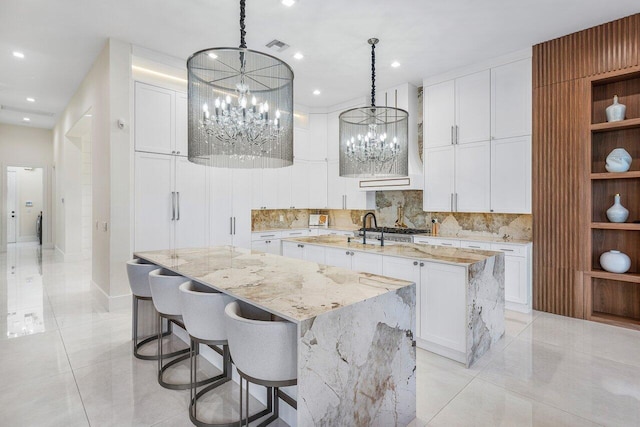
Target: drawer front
pixel 510 249
pixel 267 235
pixel 424 240
pixel 466 244
pixel 295 233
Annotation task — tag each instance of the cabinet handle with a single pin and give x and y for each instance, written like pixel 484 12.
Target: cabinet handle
pixel 267 235
pixel 347 252
pixel 456 202
pixel 415 262
pixel 506 250
pixel 422 264
pixel 267 241
pixel 452 139
pixel 451 202
pixel 457 135
pixel 352 253
pixel 178 204
pixel 234 225
pixel 474 247
pixel 177 152
pixel 294 234
pixel 173 151
pixel 446 244
pixel 173 206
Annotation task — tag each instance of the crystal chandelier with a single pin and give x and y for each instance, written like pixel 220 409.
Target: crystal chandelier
pixel 240 107
pixel 374 140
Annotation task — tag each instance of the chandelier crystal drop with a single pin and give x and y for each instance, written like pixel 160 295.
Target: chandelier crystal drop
pixel 240 107
pixel 374 140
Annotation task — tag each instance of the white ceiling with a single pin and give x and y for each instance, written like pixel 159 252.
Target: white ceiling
pixel 62 38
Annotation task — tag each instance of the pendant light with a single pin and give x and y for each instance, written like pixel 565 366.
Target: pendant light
pixel 240 107
pixel 374 140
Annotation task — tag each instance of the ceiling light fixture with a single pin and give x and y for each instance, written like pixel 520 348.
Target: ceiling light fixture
pixel 26 119
pixel 316 92
pixel 395 64
pixel 240 107
pixel 298 56
pixel 374 140
pixel 18 54
pixel 31 100
pixel 288 3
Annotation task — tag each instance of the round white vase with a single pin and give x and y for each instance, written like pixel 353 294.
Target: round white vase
pixel 617 212
pixel 618 160
pixel 615 261
pixel 615 112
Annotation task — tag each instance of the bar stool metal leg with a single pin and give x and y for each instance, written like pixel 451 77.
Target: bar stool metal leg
pixel 138 344
pixel 180 355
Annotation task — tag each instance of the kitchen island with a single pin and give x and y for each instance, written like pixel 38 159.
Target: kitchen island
pixel 356 354
pixel 459 292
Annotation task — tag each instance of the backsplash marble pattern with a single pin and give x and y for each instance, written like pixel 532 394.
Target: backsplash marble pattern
pixel 452 224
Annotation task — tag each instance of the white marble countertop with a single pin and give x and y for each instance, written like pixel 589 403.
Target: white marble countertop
pixel 491 239
pixel 447 255
pixel 293 289
pixel 310 227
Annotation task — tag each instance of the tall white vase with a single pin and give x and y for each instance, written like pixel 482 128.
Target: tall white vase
pixel 615 112
pixel 617 212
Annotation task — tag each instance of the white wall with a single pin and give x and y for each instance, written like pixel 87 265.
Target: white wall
pixel 31 147
pixel 106 91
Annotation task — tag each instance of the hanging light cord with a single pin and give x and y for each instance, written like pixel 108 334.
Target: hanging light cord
pixel 373 73
pixel 243 33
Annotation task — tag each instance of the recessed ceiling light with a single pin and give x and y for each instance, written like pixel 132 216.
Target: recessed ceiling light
pixel 298 55
pixel 288 3
pixel 31 100
pixel 316 92
pixel 18 54
pixel 395 64
pixel 26 119
pixel 212 55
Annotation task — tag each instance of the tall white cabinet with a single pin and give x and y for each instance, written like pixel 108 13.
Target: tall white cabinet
pixel 477 145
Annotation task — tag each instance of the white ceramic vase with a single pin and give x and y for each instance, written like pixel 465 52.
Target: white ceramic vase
pixel 617 212
pixel 615 112
pixel 619 160
pixel 615 261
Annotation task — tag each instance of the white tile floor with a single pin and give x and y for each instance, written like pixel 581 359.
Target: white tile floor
pixel 64 361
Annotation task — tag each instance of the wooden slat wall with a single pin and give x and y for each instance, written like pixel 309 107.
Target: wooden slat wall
pixel 561 163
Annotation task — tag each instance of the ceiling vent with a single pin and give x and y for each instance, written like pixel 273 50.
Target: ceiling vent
pixel 277 45
pixel 26 111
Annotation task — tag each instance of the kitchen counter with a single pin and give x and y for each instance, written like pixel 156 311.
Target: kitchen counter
pixel 490 239
pixel 446 255
pixel 356 354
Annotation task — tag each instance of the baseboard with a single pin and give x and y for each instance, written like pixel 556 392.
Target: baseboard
pixel 77 256
pixel 110 303
pixel 23 239
pixel 441 350
pixel 514 306
pixel 47 246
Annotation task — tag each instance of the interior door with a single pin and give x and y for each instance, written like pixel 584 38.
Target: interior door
pixel 11 207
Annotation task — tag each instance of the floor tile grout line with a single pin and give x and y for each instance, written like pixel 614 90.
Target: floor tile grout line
pixel 450 400
pixel 84 408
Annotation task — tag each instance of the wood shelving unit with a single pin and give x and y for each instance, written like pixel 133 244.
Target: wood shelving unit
pixel 610 297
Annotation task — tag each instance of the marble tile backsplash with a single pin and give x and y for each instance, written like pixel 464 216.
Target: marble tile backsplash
pixel 452 224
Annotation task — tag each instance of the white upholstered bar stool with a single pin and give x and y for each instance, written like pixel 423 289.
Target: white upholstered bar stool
pixel 165 292
pixel 203 316
pixel 138 272
pixel 264 352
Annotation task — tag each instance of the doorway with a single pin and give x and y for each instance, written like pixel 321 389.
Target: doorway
pixel 25 204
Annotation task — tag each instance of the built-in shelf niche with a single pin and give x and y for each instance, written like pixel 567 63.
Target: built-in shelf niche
pixel 625 85
pixel 605 142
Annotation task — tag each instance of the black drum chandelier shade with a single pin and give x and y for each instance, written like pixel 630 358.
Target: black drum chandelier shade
pixel 374 140
pixel 240 107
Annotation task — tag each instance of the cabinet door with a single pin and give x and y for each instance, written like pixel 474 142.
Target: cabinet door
pixel 335 186
pixel 181 128
pixel 241 207
pixel 153 119
pixel 473 107
pixel 511 175
pixel 317 189
pixel 299 185
pixel 293 250
pixel 260 245
pixel 405 269
pixel 270 188
pixel 301 144
pixel 256 189
pixel 367 263
pixel 220 207
pixel 511 100
pixel 314 253
pixel 283 183
pixel 355 198
pixel 473 177
pixel 333 136
pixel 438 179
pixel 439 114
pixel 154 211
pixel 515 279
pixel 338 257
pixel 191 204
pixel 443 305
pixel 317 137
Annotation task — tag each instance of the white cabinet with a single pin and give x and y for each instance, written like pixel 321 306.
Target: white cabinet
pixel 229 211
pixel 457 178
pixel 467 244
pixel 458 111
pixel 472 177
pixel 333 232
pixel 314 253
pixel 366 262
pixel 517 275
pixel 293 250
pixel 317 184
pixel 351 260
pixel 344 193
pixel 338 257
pixel 267 246
pixel 170 203
pixel 406 269
pixel 303 251
pixel 511 175
pixel 299 185
pixel 511 99
pixel 160 120
pixel 436 241
pixel 311 144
